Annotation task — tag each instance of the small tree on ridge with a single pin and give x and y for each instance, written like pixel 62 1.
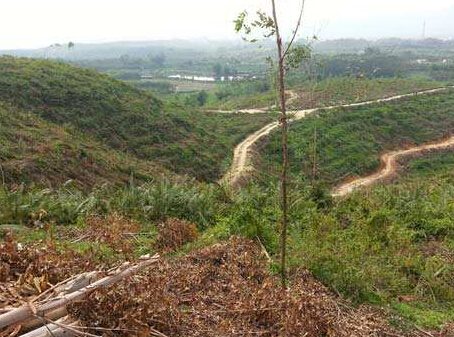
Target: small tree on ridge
pixel 288 56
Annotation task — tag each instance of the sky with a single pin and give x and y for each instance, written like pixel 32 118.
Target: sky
pixel 39 23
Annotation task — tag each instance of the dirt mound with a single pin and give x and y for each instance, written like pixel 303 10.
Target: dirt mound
pixel 224 290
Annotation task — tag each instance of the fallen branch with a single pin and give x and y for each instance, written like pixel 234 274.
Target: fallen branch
pixel 71 284
pixel 27 311
pixel 65 287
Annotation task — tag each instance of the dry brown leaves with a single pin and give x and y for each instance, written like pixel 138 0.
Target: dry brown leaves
pixel 225 290
pixel 28 271
pixel 114 230
pixel 174 234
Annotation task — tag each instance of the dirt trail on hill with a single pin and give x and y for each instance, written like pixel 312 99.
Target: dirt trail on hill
pixel 242 166
pixel 293 96
pixel 390 165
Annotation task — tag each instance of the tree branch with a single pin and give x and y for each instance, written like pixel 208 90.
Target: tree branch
pixel 298 25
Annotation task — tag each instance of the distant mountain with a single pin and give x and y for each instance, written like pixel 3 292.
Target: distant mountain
pixel 198 49
pixel 142 49
pixel 390 45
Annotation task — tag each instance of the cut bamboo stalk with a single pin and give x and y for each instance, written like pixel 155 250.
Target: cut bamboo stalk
pixel 72 285
pixel 35 322
pixel 55 329
pixel 25 312
pixel 79 282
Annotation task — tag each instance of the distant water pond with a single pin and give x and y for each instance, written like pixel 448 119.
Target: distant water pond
pixel 207 78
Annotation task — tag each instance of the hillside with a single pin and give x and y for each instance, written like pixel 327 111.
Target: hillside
pixel 349 141
pixel 330 91
pixel 34 150
pixel 380 257
pixel 113 119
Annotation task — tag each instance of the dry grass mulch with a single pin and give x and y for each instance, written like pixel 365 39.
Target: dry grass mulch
pixel 226 290
pixel 28 271
pixel 174 234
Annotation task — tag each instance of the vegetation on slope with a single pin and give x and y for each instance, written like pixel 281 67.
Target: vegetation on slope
pixel 389 246
pixel 344 90
pixel 330 91
pixel 120 117
pixel 349 141
pixel 34 151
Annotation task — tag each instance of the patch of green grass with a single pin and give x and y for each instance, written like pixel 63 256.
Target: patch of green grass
pixel 439 165
pixel 422 316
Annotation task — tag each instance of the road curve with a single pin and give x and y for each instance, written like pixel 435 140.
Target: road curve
pixel 293 96
pixel 242 164
pixel 389 167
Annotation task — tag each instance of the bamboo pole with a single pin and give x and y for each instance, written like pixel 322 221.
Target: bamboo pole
pixel 52 329
pixel 27 311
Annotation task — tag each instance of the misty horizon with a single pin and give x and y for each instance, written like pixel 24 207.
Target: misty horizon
pixel 93 22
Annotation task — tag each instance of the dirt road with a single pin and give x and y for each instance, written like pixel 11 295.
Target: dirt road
pixel 389 161
pixel 293 96
pixel 242 165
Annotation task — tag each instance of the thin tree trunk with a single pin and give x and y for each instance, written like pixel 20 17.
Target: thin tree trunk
pixel 314 159
pixel 284 124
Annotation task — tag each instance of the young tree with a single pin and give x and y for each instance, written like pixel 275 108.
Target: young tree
pixel 288 56
pixel 217 69
pixel 202 97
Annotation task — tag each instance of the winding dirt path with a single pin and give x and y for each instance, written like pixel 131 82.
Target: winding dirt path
pixel 242 164
pixel 389 167
pixel 293 96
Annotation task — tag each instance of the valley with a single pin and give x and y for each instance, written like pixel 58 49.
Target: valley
pixel 156 188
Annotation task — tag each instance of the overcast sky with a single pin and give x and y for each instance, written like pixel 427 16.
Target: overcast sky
pixel 39 23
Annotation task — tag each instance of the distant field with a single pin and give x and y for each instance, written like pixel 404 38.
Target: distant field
pixel 176 85
pixel 349 141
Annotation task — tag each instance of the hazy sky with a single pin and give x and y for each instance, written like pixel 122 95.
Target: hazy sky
pixel 38 23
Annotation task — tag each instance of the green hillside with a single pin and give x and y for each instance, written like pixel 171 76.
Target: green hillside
pixel 110 121
pixel 349 141
pixel 36 151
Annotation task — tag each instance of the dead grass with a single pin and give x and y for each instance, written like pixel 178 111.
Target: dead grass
pixel 114 231
pixel 226 290
pixel 26 271
pixel 174 234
